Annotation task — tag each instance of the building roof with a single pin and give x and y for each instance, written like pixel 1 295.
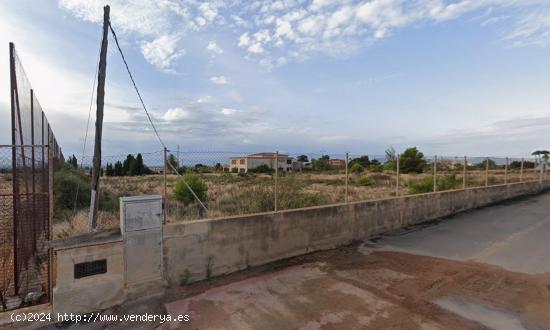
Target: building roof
pixel 268 155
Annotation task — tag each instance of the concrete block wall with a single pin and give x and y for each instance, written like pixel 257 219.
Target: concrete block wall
pixel 87 294
pixel 197 249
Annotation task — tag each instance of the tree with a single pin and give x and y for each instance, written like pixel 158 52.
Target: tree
pixel 412 161
pixel 321 164
pixel 72 161
pixel 357 168
pixel 544 154
pixel 182 192
pixel 172 160
pixel 140 168
pixel 109 170
pixel 542 157
pixel 390 155
pixel 302 158
pixel 129 166
pixel 118 170
pixel 363 161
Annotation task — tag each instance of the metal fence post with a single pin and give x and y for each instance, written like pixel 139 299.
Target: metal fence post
pixel 51 208
pixel 276 180
pixel 165 153
pixel 521 171
pixel 506 171
pixel 487 172
pixel 542 165
pixel 33 175
pixel 536 161
pixel 464 172
pixel 435 173
pixel 397 176
pixel 347 178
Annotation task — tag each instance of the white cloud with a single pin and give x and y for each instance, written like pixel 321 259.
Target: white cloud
pixel 296 29
pixel 214 48
pixel 175 114
pixel 319 4
pixel 244 40
pixel 533 29
pixel 341 28
pixel 162 51
pixel 219 80
pixel 256 48
pixel 229 111
pixel 208 10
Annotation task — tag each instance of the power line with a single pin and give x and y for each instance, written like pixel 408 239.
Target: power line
pixel 135 87
pixel 151 121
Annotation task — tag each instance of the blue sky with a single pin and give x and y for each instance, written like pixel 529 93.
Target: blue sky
pixel 451 77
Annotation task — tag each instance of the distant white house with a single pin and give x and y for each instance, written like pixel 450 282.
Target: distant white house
pixel 245 163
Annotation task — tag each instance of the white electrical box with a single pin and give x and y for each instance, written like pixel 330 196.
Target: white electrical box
pixel 140 213
pixel 141 226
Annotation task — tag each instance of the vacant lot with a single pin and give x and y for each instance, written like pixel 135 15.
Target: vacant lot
pixel 234 194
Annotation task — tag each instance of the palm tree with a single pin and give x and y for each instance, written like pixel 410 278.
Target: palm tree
pixel 542 155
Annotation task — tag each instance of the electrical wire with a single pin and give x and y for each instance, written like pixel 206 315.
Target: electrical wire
pixel 135 87
pixel 149 117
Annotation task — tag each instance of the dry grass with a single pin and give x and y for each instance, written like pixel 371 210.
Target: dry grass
pixel 233 194
pixel 5 183
pixel 78 223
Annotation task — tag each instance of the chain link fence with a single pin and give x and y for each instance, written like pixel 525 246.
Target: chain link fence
pixel 238 183
pixel 26 173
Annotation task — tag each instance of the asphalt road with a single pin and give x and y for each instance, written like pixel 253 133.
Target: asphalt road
pixel 417 278
pixel 514 235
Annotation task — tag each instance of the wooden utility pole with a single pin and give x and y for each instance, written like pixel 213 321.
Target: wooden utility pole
pixel 96 169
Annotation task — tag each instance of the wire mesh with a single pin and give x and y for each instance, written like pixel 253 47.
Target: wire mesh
pixel 24 197
pixel 239 183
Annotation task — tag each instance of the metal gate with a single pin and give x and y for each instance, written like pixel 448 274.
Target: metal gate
pixel 26 179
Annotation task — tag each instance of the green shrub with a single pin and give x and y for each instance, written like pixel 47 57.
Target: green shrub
pixel 182 193
pixel 389 166
pixel 364 181
pixel 412 161
pixel 184 278
pixel 264 168
pixel 376 168
pixel 426 185
pixel 380 178
pixel 421 186
pixel 449 182
pixel 67 182
pixel 259 197
pixel 321 164
pixel 357 168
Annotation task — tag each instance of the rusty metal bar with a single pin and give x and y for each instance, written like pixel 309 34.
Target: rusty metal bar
pixel 15 185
